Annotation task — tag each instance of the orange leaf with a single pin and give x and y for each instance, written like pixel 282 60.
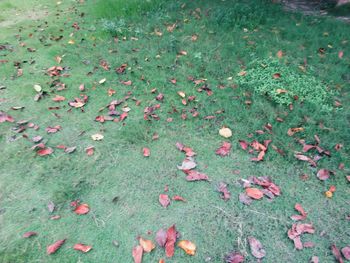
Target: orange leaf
pixel 137 254
pixel 55 246
pixel 188 246
pixel 82 247
pixel 44 151
pixel 254 193
pixel 147 245
pixel 82 209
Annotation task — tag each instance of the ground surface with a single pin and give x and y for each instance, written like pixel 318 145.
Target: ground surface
pixel 230 48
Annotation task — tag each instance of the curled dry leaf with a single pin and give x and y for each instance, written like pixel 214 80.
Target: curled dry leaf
pixel 82 209
pixel 82 247
pixel 234 257
pixel 323 174
pixel 161 236
pixel 147 245
pixel 188 247
pixel 164 200
pixel 337 254
pixel 225 132
pixel 224 150
pixel 30 234
pixel 55 246
pixel 146 152
pixel 256 248
pixel 137 253
pixel 193 175
pixel 170 241
pixel 346 252
pixel 244 144
pixel 254 193
pixel 302 212
pixel 245 199
pixel 225 193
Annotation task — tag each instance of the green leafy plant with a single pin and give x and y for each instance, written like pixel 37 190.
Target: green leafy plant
pixel 285 83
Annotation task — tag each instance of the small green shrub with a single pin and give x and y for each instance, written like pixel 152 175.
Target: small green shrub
pixel 284 83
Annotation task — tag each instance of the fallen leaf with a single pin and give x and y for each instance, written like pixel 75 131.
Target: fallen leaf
pixel 178 198
pixel 161 237
pixel 346 252
pixel 234 257
pixel 187 164
pixel 44 151
pixel 314 259
pixel 55 246
pixel 70 149
pixel 97 137
pixel 302 212
pixel 244 144
pixel 164 200
pixel 323 174
pixel 170 241
pixel 256 248
pixel 146 152
pixel 225 194
pixel 245 199
pixel 188 247
pixel 82 247
pixel 193 175
pixel 82 209
pixel 147 245
pixel 90 150
pixel 225 132
pixel 254 193
pixel 224 150
pixel 137 254
pixel 58 98
pixel 30 234
pixel 336 253
pixel 51 206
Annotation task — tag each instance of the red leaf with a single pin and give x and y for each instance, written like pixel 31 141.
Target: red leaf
pixel 308 147
pixel 82 209
pixel 178 198
pixel 90 150
pixel 234 257
pixel 137 254
pixel 302 212
pixel 29 234
pixel 170 241
pixel 256 248
pixel 55 246
pixel 243 144
pixel 44 151
pixel 340 54
pixel 305 158
pixel 146 152
pixel 336 253
pixel 224 149
pixel 297 243
pixel 323 174
pixel 314 259
pixel 346 252
pixel 254 193
pixel 164 200
pixel 161 237
pixel 82 247
pixel 58 98
pixel 193 175
pixel 123 116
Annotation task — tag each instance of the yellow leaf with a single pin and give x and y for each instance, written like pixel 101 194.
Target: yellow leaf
pixel 37 88
pixel 97 137
pixel 147 245
pixel 188 246
pixel 102 81
pixel 225 132
pixel 181 94
pixel 71 42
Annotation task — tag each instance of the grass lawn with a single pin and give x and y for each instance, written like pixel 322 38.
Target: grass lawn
pixel 246 65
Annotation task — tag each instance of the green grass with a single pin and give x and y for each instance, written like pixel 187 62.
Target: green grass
pixel 232 36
